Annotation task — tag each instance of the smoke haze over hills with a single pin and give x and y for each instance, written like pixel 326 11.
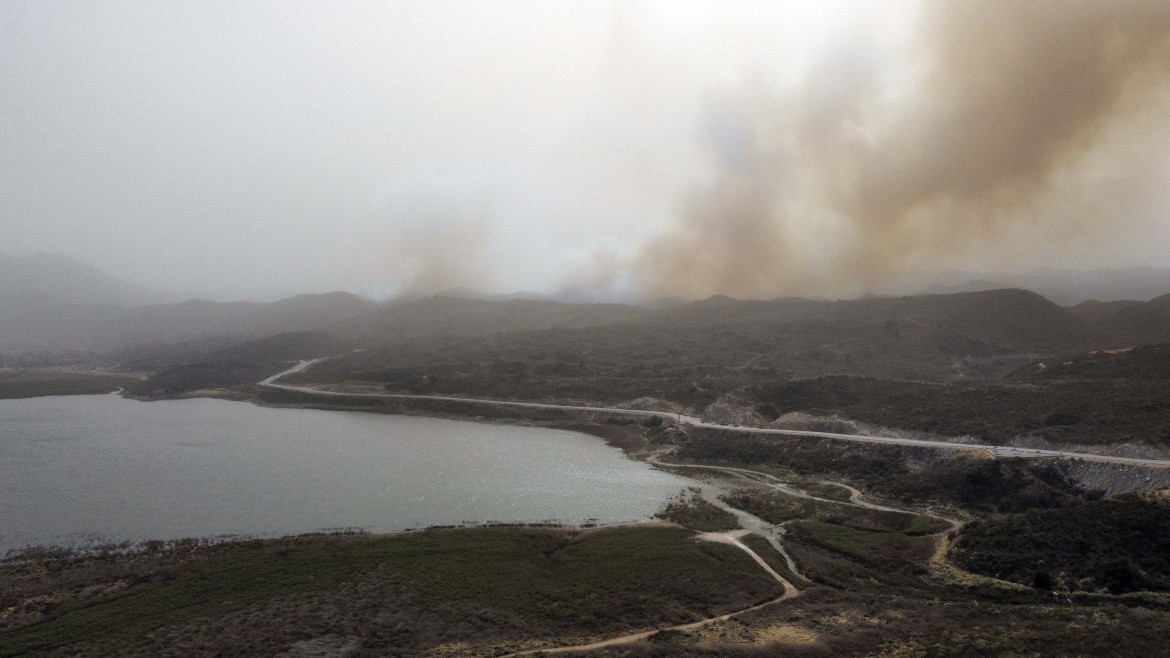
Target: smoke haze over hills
pixel 998 121
pixel 629 151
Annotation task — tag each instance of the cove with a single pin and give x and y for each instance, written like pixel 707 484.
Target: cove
pixel 81 470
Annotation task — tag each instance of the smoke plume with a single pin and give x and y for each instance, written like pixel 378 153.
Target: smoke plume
pixel 998 121
pixel 432 247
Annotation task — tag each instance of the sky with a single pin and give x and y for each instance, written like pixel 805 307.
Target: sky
pixel 632 149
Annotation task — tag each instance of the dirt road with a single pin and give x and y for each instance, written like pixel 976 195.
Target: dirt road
pixel 731 538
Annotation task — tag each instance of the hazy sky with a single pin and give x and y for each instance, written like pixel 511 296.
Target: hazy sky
pixel 755 149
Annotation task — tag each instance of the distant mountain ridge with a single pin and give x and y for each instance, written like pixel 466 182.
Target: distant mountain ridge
pixel 456 316
pixel 1016 320
pixel 72 281
pixel 1065 287
pixel 1132 323
pixel 50 303
pixel 37 322
pixel 1020 319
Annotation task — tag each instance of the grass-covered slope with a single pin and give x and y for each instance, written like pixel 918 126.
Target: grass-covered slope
pixel 241 364
pixel 691 511
pixel 393 594
pixel 38 383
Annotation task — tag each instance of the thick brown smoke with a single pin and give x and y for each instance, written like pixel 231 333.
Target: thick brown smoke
pixel 434 248
pixel 866 169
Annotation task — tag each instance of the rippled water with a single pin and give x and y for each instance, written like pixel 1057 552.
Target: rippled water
pixel 81 469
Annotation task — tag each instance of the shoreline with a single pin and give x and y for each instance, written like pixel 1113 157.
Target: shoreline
pixel 212 544
pixel 625 437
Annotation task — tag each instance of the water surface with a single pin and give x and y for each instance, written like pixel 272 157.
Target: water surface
pixel 80 469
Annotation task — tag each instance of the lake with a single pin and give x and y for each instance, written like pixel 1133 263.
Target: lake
pixel 79 470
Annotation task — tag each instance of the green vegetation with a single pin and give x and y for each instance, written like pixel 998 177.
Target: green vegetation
pixel 691 511
pixel 963 364
pixel 495 586
pixel 871 594
pixel 1121 544
pixel 926 525
pixel 1056 403
pixel 776 507
pixel 211 374
pixel 1004 485
pixel 239 365
pixel 693 354
pixel 824 490
pixel 994 366
pixel 861 544
pixel 764 549
pixel 21 383
pixel 878 563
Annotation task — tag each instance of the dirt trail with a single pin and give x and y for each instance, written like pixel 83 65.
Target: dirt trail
pixel 775 533
pixel 771 532
pixel 773 482
pixel 731 538
pixel 638 637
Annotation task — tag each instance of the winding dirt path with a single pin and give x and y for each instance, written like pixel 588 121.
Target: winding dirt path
pixel 768 531
pixel 941 543
pixel 731 538
pixel 767 479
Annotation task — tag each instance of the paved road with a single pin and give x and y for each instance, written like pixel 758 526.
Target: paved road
pixel 998 451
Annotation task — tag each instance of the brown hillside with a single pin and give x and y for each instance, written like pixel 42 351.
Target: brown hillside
pixel 1128 323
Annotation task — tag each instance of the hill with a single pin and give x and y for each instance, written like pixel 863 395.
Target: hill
pixel 1150 363
pixel 1008 319
pixel 36 321
pixel 455 316
pixel 196 318
pixel 953 365
pixel 961 364
pixel 1119 544
pixel 71 281
pixel 693 354
pixel 1128 322
pixel 241 365
pixel 1065 287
